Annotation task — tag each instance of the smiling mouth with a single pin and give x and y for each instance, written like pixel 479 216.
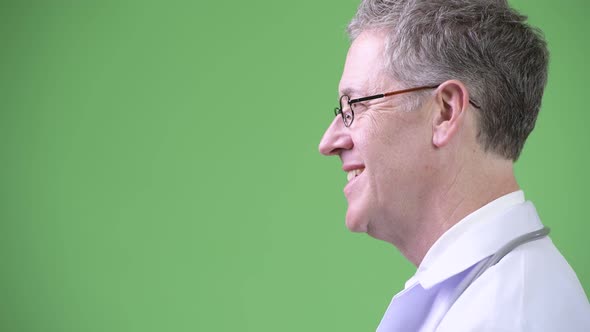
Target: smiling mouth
pixel 354 173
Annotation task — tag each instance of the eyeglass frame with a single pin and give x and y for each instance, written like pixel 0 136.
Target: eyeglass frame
pixel 339 110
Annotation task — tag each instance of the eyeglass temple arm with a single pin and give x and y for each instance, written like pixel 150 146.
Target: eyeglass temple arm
pixel 410 90
pixel 424 88
pixel 387 94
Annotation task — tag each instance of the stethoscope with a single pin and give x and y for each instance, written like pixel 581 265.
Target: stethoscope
pixel 485 264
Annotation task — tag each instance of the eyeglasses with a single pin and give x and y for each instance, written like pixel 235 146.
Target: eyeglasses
pixel 348 114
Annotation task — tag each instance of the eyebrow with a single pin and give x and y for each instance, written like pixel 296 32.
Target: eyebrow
pixel 350 91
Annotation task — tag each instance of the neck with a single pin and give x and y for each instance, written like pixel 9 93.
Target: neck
pixel 463 192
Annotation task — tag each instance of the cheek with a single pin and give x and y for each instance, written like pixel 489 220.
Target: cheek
pixel 398 153
pixel 403 134
pixel 362 139
pixel 390 141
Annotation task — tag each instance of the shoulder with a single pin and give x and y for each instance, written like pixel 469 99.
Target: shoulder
pixel 531 289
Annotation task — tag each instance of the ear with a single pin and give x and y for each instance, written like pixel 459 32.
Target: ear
pixel 452 101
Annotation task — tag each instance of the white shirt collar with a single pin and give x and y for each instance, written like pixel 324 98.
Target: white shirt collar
pixel 478 235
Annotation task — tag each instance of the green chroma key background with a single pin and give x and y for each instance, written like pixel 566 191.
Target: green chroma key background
pixel 160 168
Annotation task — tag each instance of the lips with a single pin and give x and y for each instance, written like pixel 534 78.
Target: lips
pixel 352 173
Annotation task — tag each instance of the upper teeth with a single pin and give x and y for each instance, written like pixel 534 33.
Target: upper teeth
pixel 354 173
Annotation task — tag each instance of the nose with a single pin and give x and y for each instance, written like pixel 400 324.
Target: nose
pixel 336 138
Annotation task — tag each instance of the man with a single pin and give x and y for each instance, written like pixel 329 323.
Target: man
pixel 453 90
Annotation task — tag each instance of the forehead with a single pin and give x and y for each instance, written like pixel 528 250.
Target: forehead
pixel 364 64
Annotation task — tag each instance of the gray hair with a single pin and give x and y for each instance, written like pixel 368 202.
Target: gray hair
pixel 483 43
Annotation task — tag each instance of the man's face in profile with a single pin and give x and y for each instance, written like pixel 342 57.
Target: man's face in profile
pixel 386 149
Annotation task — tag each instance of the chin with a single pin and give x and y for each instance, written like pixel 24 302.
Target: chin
pixel 356 221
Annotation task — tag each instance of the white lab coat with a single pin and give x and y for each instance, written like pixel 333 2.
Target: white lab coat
pixel 533 288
